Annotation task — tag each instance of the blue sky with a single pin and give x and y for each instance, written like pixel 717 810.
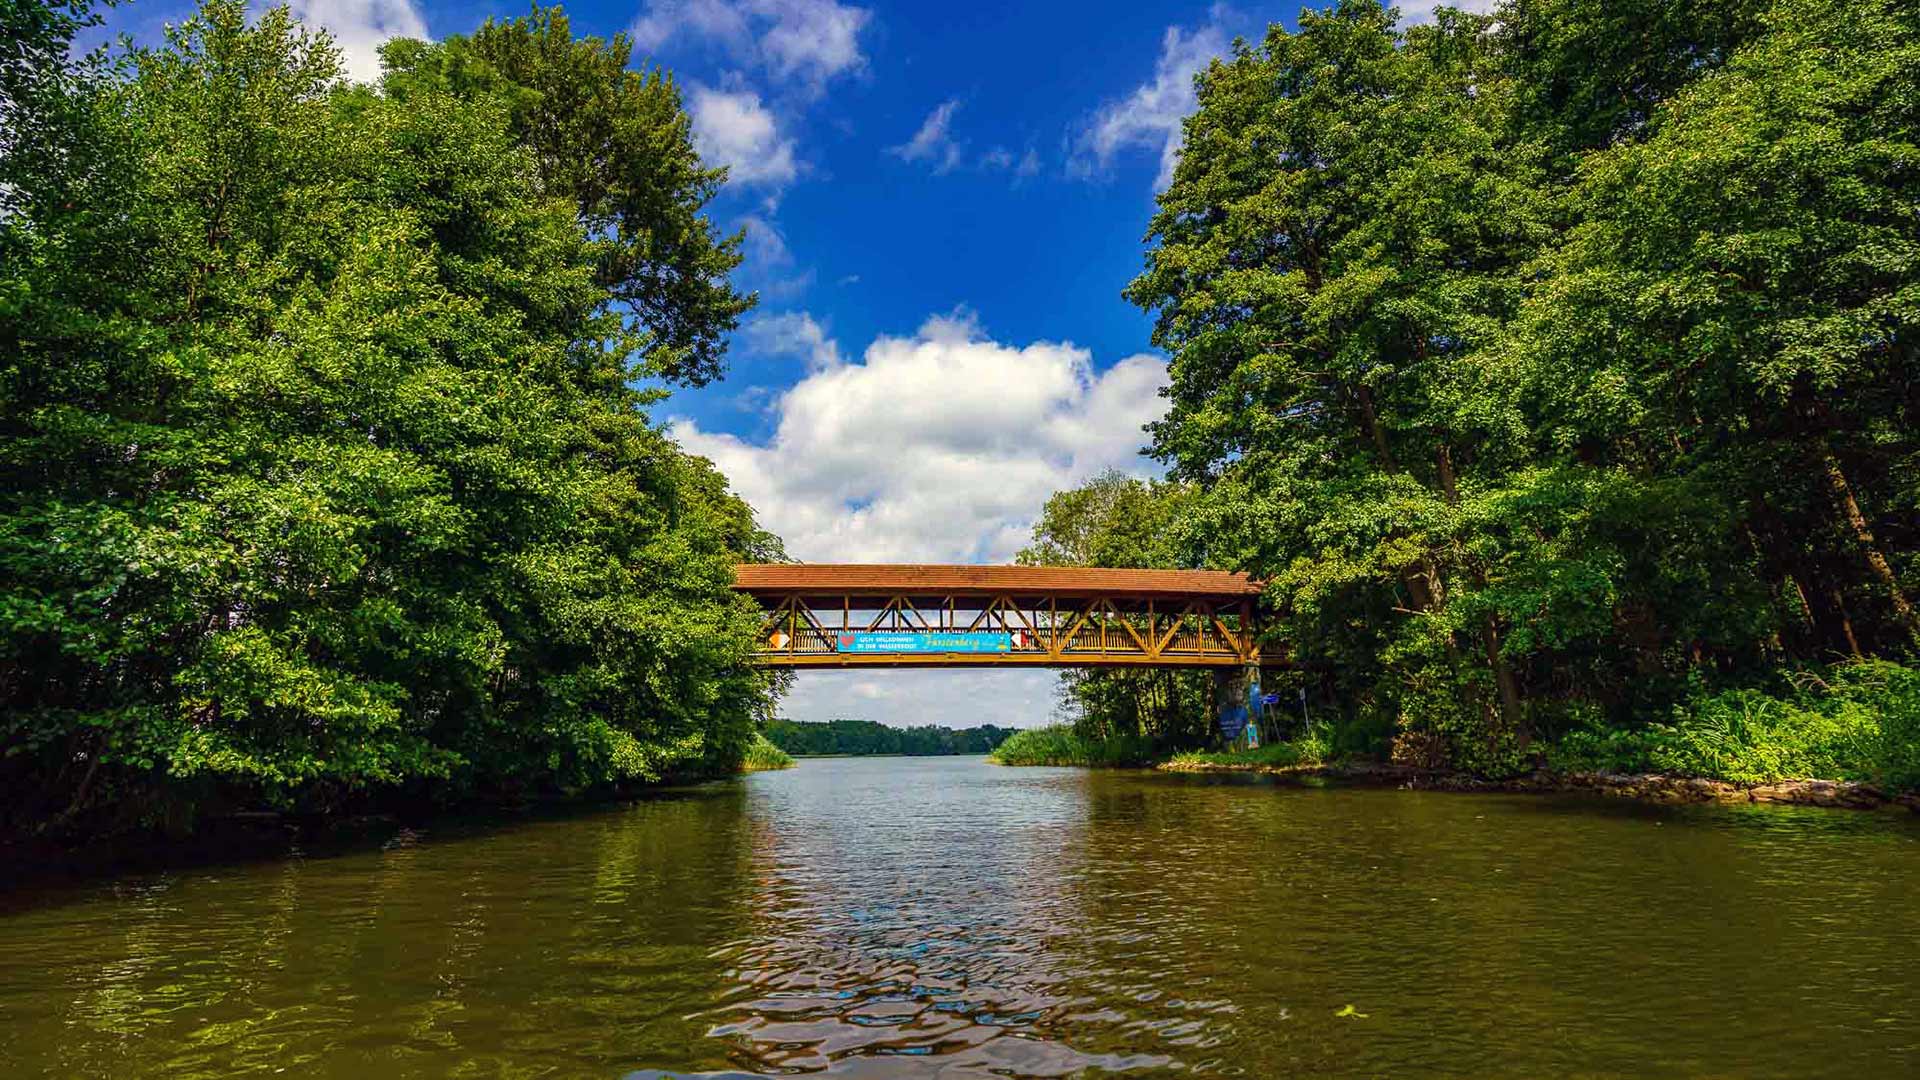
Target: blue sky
pixel 942 206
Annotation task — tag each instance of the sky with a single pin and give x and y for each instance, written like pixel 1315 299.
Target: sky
pixel 941 206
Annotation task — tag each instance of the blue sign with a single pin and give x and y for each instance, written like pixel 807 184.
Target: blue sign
pixel 923 641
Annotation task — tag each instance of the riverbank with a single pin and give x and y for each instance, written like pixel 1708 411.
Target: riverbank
pixel 237 831
pixel 1309 759
pixel 1649 787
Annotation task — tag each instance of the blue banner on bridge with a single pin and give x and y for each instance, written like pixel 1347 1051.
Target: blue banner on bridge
pixel 924 641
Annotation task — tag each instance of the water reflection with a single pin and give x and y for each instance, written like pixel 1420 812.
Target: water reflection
pixel 580 944
pixel 946 918
pixel 915 921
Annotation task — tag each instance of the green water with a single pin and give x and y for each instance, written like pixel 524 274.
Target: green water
pixel 921 917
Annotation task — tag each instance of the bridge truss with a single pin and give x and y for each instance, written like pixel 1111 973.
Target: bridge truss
pixel 1051 617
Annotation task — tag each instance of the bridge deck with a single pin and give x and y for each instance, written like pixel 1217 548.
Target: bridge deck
pixel 826 615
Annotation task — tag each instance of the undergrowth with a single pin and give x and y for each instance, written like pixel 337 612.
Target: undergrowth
pixel 762 755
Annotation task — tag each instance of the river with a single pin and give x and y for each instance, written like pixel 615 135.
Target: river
pixel 920 917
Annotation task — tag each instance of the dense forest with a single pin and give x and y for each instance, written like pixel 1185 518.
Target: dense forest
pixel 325 473
pixel 863 737
pixel 1560 371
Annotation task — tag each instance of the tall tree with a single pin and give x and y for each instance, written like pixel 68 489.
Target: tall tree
pixel 617 144
pixel 324 470
pixel 1547 371
pixel 1341 237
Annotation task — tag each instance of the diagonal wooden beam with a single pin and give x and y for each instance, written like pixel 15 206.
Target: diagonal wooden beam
pixel 1006 604
pixel 906 604
pixel 1064 640
pixel 806 612
pixel 1128 627
pixel 1232 641
pixel 1172 631
pixel 771 617
pixel 881 615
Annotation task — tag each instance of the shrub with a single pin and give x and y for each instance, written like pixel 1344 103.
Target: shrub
pixel 1854 721
pixel 1308 750
pixel 1058 745
pixel 1749 737
pixel 762 755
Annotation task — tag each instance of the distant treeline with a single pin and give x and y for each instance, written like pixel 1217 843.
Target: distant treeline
pixel 868 737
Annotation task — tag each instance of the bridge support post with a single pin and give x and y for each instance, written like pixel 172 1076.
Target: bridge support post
pixel 1236 699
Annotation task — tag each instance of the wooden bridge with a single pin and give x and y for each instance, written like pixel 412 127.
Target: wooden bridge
pixel 820 615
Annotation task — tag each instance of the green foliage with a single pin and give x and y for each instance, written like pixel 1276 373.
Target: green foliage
pixel 1061 745
pixel 867 737
pixel 1274 755
pixel 1749 737
pixel 1854 721
pixel 1555 369
pixel 323 470
pixel 615 143
pixel 1120 521
pixel 762 755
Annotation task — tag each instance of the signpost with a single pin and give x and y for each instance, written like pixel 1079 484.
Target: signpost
pixel 923 641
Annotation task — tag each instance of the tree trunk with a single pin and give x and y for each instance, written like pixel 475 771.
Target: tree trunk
pixel 1862 531
pixel 1503 677
pixel 1829 629
pixel 1374 430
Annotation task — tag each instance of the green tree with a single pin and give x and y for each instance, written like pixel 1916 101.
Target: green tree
pixel 1550 372
pixel 615 143
pixel 1122 521
pixel 1341 239
pixel 1748 269
pixel 324 474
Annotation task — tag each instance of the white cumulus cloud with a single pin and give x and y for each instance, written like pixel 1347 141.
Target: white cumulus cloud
pixel 807 42
pixel 933 142
pixel 733 128
pixel 940 447
pixel 768 267
pixel 1149 117
pixel 791 333
pixel 360 27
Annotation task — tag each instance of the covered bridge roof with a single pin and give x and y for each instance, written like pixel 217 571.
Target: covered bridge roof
pixel 937 579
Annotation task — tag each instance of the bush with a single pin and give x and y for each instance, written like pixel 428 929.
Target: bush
pixel 1308 750
pixel 1855 721
pixel 762 755
pixel 1748 737
pixel 1058 745
pixel 1601 749
pixel 1899 701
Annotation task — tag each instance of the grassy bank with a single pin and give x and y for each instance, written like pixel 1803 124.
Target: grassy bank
pixel 763 755
pixel 1279 755
pixel 1856 721
pixel 1855 724
pixel 1058 745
